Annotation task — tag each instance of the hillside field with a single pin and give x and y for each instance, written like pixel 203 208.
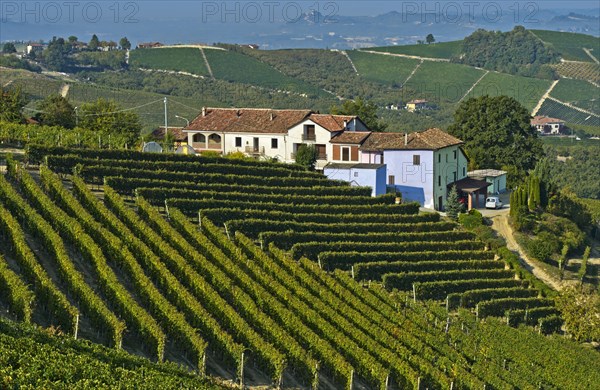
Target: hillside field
pixel 263 290
pixel 185 59
pixel 435 50
pixel 571 45
pixel 384 69
pixel 579 93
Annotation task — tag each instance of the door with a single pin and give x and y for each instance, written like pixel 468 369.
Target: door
pixel 441 203
pixel 256 145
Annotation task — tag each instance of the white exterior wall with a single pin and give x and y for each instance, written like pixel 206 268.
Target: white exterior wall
pixel 337 173
pixel 322 136
pixel 370 157
pixel 264 144
pixel 360 177
pixel 415 182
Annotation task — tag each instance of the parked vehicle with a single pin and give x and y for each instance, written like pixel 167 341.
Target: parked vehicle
pixel 493 202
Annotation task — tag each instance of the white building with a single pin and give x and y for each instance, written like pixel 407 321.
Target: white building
pixel 421 165
pixel 546 125
pixel 268 133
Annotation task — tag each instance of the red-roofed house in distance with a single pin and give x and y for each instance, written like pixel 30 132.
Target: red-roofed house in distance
pixel 546 125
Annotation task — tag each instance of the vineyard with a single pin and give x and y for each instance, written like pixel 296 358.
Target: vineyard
pixel 579 70
pixel 579 93
pixel 437 50
pixel 255 273
pixel 556 109
pixel 184 59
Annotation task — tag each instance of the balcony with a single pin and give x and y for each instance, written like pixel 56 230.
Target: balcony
pixel 253 150
pixel 309 137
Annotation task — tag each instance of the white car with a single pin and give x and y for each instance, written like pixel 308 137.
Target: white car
pixel 493 202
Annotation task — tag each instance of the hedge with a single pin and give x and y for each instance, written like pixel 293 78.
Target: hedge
pixel 285 240
pixel 473 297
pixel 345 260
pixel 405 280
pixel 498 307
pixel 313 249
pixel 530 317
pixel 374 271
pixel 440 290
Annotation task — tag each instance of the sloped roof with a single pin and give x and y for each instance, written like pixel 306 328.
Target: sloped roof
pixel 544 120
pixel 431 139
pixel 247 120
pixel 417 101
pixel 483 173
pixel 176 132
pixel 470 185
pixel 350 137
pixel 331 122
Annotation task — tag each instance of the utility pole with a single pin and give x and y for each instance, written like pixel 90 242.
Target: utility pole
pixel 76 117
pixel 166 128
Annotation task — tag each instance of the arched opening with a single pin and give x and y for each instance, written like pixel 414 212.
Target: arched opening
pixel 214 141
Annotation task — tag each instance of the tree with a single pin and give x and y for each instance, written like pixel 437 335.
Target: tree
pixel 307 156
pixel 125 44
pixel 56 111
pixel 366 111
pixel 581 311
pixel 106 117
pixel 94 43
pixel 56 55
pixel 72 39
pixel 12 102
pixel 453 205
pixel 430 39
pixel 497 133
pixel 9 47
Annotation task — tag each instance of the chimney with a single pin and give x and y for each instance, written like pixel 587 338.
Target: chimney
pixel 272 116
pixel 405 139
pixel 345 124
pixel 203 111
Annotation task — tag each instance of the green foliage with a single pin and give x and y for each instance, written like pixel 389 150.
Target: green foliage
pixel 453 206
pixel 581 311
pixel 429 39
pixel 579 93
pixel 365 110
pixel 569 45
pixel 498 307
pixel 439 50
pixel 184 59
pixel 19 297
pixel 471 220
pixel 124 43
pixel 554 109
pixel 542 246
pixel 515 52
pixel 562 229
pixel 101 60
pixel 307 156
pixel 19 63
pixel 584 260
pixel 106 117
pixel 497 133
pixel 9 48
pixel 94 43
pixel 56 111
pixel 566 204
pixel 56 55
pixel 382 69
pixel 580 173
pixel 11 103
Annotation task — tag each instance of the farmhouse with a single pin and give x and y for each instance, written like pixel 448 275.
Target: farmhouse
pixel 495 177
pixel 420 165
pixel 149 45
pixel 269 133
pixel 176 133
pixel 35 48
pixel 546 125
pixel 415 105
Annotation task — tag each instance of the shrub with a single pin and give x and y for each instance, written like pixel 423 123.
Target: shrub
pixel 471 220
pixel 543 246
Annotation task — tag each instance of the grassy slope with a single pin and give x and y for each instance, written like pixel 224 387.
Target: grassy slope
pixel 435 50
pixel 526 90
pixel 186 59
pixel 379 68
pixel 444 82
pixel 236 67
pixel 578 93
pixel 570 45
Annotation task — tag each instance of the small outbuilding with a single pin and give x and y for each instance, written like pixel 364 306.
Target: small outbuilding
pixel 360 175
pixel 495 177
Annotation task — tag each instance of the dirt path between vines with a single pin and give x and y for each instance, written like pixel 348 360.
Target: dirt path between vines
pixel 501 226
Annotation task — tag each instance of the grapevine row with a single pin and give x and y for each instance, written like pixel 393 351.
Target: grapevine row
pixel 20 298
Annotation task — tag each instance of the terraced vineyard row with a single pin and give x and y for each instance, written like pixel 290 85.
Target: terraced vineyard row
pixel 241 292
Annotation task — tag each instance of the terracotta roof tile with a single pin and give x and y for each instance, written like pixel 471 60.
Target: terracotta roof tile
pixel 350 137
pixel 432 139
pixel 177 133
pixel 331 122
pixel 544 120
pixel 247 120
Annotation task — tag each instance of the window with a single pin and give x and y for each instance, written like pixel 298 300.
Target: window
pixel 439 181
pixel 345 154
pixel 464 172
pixel 238 142
pixel 355 174
pixel 446 157
pixel 439 158
pixel 321 151
pixel 309 133
pixel 391 180
pixel 454 154
pixel 416 159
pixel 274 143
pixel 454 174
